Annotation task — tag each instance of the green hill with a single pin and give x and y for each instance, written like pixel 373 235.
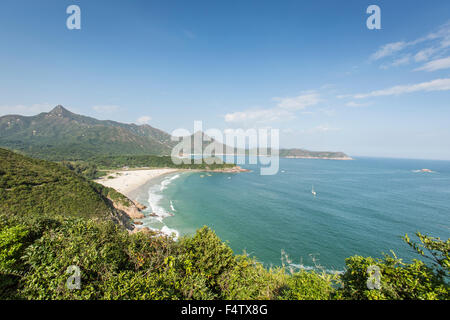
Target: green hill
pixel 63 135
pixel 30 187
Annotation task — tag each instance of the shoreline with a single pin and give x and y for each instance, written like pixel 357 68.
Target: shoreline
pixel 319 158
pixel 127 181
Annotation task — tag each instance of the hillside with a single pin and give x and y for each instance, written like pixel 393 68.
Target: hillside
pixel 63 135
pixel 30 187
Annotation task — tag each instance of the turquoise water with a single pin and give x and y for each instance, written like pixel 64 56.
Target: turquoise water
pixel 362 207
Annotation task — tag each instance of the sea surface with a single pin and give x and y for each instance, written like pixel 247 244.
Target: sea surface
pixel 361 207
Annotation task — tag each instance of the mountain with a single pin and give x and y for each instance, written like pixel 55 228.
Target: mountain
pixel 63 135
pixel 30 187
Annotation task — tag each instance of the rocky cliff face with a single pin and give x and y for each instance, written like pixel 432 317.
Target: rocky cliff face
pixel 124 215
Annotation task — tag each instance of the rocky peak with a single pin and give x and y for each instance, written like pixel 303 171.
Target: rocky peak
pixel 60 111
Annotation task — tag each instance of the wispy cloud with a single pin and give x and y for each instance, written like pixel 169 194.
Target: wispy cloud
pixel 424 55
pixel 388 50
pixel 143 120
pixel 259 115
pixel 432 44
pixel 397 62
pixel 298 102
pixel 284 110
pixel 434 85
pixel 25 110
pixel 434 65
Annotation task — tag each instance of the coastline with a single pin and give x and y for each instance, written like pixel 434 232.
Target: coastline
pixel 126 181
pixel 323 158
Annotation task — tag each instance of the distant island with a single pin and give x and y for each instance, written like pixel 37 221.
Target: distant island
pixel 306 154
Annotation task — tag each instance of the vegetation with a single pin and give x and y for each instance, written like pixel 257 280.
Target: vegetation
pixel 30 187
pixel 62 135
pixel 52 219
pixel 151 161
pixel 114 264
pixel 86 169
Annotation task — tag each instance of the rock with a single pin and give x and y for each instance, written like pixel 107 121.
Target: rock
pixel 138 223
pixel 144 230
pixel 140 206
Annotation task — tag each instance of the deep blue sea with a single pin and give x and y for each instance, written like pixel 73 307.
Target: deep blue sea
pixel 361 207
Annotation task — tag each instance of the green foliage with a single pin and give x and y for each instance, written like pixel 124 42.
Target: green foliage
pixel 115 264
pixel 398 280
pixel 437 249
pixel 63 135
pixel 96 248
pixel 248 279
pixel 306 285
pixel 11 246
pixel 207 254
pixel 152 161
pixel 31 187
pixel 51 218
pixel 83 168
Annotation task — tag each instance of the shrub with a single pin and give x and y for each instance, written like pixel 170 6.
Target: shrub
pixel 308 285
pixel 398 280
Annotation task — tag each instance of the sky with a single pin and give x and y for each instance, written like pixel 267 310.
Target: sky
pixel 311 69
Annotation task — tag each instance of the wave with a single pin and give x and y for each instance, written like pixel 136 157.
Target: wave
pixel 168 231
pixel 159 212
pixel 168 181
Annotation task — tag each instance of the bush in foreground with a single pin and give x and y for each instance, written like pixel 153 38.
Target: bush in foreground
pixel 35 255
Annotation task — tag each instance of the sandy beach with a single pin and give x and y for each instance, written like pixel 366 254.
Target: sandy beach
pixel 125 181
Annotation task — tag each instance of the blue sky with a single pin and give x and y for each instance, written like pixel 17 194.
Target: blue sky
pixel 309 68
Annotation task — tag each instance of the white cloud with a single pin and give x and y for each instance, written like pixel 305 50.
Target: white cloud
pixel 434 65
pixel 434 43
pixel 388 49
pixel 259 115
pixel 106 108
pixel 284 109
pixel 299 102
pixel 143 120
pixel 25 110
pixel 397 62
pixel 424 55
pixel 434 85
pixel 401 61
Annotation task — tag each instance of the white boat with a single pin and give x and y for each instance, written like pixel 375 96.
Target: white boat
pixel 313 192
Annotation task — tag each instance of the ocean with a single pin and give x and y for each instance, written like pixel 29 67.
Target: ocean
pixel 361 207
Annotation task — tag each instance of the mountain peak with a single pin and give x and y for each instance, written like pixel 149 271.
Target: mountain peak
pixel 60 111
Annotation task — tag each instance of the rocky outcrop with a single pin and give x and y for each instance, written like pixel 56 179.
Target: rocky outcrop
pixel 125 214
pixel 131 210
